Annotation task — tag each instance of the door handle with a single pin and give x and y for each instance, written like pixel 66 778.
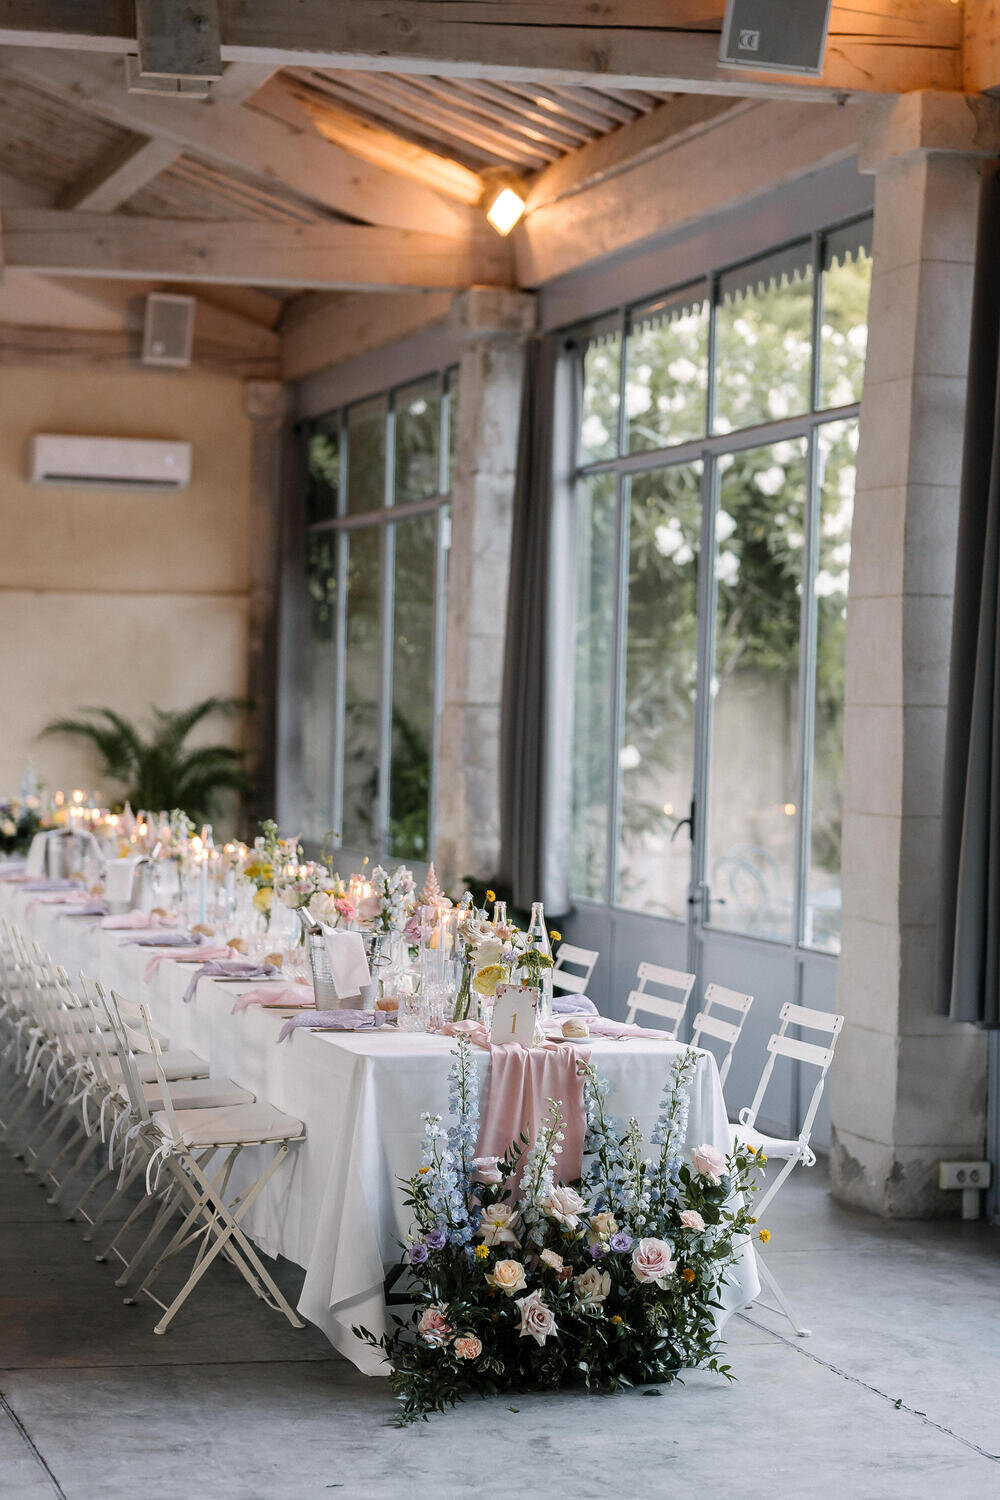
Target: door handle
pixel 687 822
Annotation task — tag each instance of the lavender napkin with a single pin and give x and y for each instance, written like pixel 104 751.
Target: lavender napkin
pixel 573 1005
pixel 51 885
pixel 167 940
pixel 334 1020
pixel 91 909
pixel 228 968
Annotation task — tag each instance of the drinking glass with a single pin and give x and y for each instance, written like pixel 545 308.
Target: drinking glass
pixel 413 1013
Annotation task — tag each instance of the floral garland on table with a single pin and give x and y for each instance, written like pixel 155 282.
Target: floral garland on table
pixel 608 1284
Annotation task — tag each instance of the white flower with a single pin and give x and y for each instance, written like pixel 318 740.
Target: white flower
pixel 497 1225
pixel 709 1162
pixel 488 953
pixel 592 1287
pixel 563 1204
pixel 652 1260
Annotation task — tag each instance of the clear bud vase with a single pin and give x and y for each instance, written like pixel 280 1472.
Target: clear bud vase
pixel 538 937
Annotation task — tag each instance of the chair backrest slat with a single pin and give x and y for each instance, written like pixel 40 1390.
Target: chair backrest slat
pixel 582 958
pixel 725 1031
pixel 810 1053
pixel 661 1005
pixel 718 997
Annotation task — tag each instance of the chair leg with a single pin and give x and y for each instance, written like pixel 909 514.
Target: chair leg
pixel 783 1303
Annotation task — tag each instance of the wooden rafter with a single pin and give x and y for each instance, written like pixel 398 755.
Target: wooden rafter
pixel 322 256
pixel 230 134
pixel 875 46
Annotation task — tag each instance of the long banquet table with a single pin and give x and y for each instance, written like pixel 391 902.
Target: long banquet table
pixel 336 1208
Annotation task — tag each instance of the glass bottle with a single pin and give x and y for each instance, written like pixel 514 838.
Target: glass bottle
pixel 538 937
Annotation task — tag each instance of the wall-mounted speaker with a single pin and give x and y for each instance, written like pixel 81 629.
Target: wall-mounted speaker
pixel 168 330
pixel 775 36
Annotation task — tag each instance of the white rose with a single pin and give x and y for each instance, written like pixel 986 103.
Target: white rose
pixel 488 953
pixel 592 1287
pixel 563 1204
pixel 552 1258
pixel 497 1225
pixel 321 907
pixel 537 1321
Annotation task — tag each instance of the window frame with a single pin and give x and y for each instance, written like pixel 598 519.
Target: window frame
pixel 707 449
pixel 384 519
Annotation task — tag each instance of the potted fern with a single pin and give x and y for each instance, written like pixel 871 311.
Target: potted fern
pixel 157 768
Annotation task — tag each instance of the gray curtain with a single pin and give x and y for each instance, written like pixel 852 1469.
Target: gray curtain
pixel 968 964
pixel 534 737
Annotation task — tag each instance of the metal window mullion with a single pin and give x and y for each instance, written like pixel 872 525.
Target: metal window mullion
pixel 619 667
pixel 387 558
pixel 707 601
pixel 442 547
pixel 341 546
pixel 807 688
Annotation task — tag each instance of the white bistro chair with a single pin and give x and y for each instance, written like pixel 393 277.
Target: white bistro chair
pixel 581 958
pixel 706 1023
pixel 790 1152
pixel 662 1006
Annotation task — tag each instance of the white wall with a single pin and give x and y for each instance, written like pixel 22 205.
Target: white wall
pixel 118 597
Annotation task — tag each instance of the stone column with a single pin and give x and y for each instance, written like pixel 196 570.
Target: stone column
pixel 266 404
pixel 491 324
pixel 907 1087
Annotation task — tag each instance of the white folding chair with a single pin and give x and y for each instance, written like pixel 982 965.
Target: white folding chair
pixel 581 958
pixel 641 998
pixel 185 1141
pixel 707 1024
pixel 791 1152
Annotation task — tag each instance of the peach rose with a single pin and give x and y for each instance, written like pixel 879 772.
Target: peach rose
pixel 537 1320
pixel 508 1276
pixel 563 1204
pixel 468 1347
pixel 709 1162
pixel 652 1260
pixel 552 1258
pixel 692 1219
pixel 497 1225
pixel 602 1227
pixel 434 1327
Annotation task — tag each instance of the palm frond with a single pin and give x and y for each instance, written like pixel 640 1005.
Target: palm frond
pixel 172 727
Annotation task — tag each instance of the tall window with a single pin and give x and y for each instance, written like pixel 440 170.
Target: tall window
pixel 376 570
pixel 716 440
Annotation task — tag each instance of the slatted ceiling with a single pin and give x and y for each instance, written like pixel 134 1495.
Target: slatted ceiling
pixel 49 143
pixel 194 189
pixel 482 123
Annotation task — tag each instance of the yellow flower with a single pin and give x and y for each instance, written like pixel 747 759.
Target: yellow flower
pixel 616 1319
pixel 491 895
pixel 751 1221
pixel 556 937
pixel 486 980
pixel 422 1170
pixel 263 898
pixel 764 1236
pixel 482 1252
pixel 687 1274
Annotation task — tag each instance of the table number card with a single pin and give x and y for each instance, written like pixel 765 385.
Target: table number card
pixel 514 1015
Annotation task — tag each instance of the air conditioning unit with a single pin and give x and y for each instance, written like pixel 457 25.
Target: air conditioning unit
pixel 108 463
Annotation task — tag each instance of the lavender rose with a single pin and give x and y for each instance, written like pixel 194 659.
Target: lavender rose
pixel 418 1253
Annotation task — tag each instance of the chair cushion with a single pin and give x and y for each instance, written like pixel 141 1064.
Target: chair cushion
pixel 199 1093
pixel 179 1064
pixel 771 1145
pixel 242 1124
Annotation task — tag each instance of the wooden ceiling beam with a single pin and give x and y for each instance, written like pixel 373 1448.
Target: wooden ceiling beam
pixel 113 181
pixel 233 135
pixel 875 46
pixel 323 256
pixel 982 45
pixel 321 329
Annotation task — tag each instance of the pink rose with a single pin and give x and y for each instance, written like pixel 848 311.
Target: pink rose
pixel 564 1205
pixel 468 1347
pixel 537 1321
pixel 692 1219
pixel 434 1327
pixel 368 908
pixel 345 908
pixel 709 1163
pixel 487 1171
pixel 652 1261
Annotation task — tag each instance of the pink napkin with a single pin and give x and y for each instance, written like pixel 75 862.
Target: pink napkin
pixel 62 898
pixel 289 994
pixel 202 954
pixel 131 919
pixel 521 1080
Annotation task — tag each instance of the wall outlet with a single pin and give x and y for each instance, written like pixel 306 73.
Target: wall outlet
pixel 964 1174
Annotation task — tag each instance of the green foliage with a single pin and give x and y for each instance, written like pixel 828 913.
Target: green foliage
pixel 158 769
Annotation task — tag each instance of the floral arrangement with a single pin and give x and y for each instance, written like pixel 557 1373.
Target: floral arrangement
pixel 606 1283
pixel 392 900
pixel 20 820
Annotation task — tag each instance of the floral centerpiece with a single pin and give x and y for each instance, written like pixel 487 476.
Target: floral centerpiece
pixel 606 1283
pixel 20 820
pixel 391 901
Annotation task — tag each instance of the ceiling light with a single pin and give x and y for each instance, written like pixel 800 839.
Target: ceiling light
pixel 505 210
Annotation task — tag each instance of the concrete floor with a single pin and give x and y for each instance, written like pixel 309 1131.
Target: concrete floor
pixel 896 1393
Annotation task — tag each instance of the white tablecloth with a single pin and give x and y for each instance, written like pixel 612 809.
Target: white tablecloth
pixel 336 1208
